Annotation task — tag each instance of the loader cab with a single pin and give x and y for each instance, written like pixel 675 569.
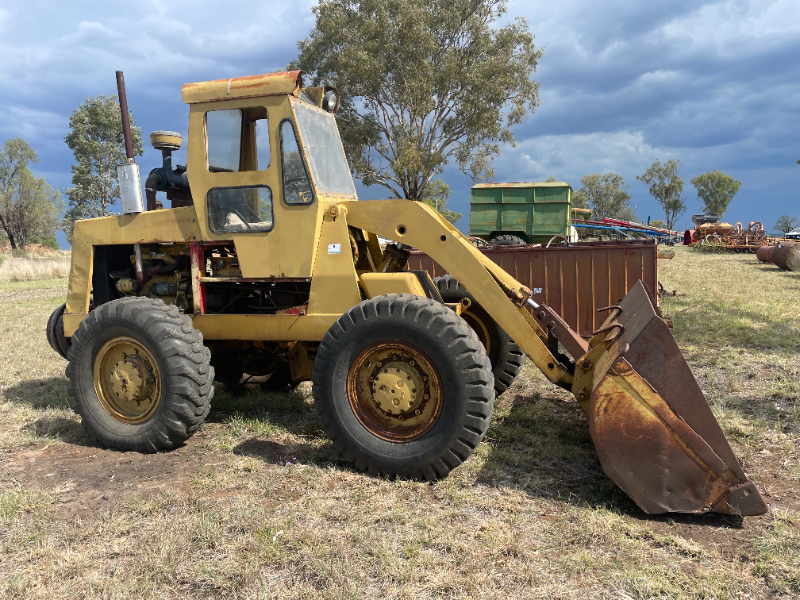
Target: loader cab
pixel 264 162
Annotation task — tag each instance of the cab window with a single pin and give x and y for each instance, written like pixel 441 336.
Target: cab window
pixel 237 140
pixel 296 185
pixel 240 209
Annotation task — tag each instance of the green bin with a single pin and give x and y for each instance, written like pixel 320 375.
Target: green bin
pixel 534 212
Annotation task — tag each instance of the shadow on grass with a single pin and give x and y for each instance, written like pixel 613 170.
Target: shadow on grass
pixel 42 395
pixel 542 445
pixel 266 414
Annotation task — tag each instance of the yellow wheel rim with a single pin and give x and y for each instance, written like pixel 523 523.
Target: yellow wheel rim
pixel 127 380
pixel 479 327
pixel 395 391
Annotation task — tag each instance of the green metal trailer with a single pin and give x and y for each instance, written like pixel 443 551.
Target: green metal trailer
pixel 532 212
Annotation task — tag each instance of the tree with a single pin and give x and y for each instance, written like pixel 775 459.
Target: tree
pixel 785 224
pixel 658 224
pixel 422 82
pixel 716 190
pixel 551 179
pixel 14 159
pixel 31 215
pixel 666 186
pixel 28 205
pixel 436 194
pixel 97 142
pixel 606 196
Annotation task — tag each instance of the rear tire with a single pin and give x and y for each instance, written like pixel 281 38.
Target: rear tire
pixel 139 375
pixel 435 362
pixel 506 357
pixel 508 240
pixel 55 332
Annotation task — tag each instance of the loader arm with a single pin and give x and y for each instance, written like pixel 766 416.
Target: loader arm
pixel 653 429
pixel 418 225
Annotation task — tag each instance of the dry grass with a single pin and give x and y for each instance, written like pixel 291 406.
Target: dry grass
pixel 258 505
pixel 33 268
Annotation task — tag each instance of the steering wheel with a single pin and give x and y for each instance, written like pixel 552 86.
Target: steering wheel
pixel 254 213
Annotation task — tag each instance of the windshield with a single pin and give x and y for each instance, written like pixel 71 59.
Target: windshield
pixel 324 148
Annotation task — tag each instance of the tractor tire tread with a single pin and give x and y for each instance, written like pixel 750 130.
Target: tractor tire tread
pixel 439 322
pixel 186 372
pixel 508 240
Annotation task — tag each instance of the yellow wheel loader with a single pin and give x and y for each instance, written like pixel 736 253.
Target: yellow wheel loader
pixel 267 266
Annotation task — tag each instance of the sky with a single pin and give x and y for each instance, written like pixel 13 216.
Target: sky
pixel 622 83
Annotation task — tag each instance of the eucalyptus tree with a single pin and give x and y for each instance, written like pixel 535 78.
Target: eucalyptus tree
pixel 606 195
pixel 785 224
pixel 716 190
pixel 436 195
pixel 666 187
pixel 422 82
pixel 96 140
pixel 28 205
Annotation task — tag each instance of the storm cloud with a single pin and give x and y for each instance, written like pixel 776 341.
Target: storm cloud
pixel 715 84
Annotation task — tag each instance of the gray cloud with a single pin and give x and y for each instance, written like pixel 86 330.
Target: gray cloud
pixel 715 84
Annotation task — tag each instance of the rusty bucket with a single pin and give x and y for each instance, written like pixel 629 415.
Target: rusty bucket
pixel 653 429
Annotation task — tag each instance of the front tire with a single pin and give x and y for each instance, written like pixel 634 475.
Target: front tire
pixel 139 375
pixel 403 387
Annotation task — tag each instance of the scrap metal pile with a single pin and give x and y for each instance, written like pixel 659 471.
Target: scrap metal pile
pixel 622 229
pixel 711 234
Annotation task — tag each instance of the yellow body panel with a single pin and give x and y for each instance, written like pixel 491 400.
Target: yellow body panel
pixel 276 328
pixel 335 289
pixel 380 284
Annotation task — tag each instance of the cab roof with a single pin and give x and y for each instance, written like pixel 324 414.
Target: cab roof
pixel 284 82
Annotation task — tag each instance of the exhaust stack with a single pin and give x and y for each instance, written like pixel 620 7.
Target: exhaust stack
pixel 130 183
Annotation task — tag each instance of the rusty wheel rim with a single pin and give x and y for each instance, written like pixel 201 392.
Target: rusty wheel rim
pixel 394 391
pixel 127 380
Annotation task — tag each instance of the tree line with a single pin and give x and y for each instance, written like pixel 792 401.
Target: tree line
pixel 607 194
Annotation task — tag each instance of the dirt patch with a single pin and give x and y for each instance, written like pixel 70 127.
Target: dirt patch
pixel 87 480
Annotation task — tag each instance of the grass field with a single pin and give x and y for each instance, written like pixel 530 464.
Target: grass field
pixel 257 505
pixel 34 268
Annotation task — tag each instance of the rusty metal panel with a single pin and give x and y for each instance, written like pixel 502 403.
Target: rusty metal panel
pixel 574 280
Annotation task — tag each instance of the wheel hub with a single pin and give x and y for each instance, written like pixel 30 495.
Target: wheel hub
pixel 132 379
pixel 127 380
pixel 396 387
pixel 395 391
